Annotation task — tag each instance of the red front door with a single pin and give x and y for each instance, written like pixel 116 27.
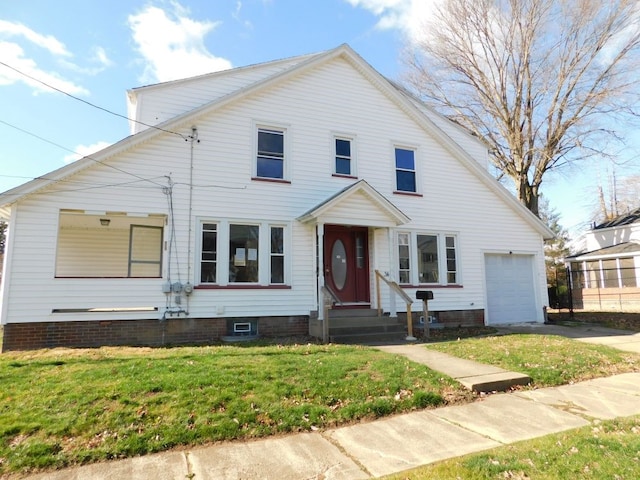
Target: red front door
pixel 346 263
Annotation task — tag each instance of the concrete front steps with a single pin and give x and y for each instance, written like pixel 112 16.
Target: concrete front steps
pixel 352 326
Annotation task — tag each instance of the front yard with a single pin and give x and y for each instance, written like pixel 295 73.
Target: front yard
pixel 64 407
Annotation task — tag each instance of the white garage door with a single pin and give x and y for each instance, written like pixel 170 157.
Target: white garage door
pixel 511 294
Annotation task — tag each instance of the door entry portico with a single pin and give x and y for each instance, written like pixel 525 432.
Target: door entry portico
pixel 346 263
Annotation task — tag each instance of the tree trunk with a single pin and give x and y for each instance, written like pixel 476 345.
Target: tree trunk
pixel 528 195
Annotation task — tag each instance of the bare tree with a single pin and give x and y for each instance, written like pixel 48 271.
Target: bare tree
pixel 544 82
pixel 618 197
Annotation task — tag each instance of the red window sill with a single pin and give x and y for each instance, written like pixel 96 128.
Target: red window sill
pixel 271 180
pixel 409 194
pixel 431 285
pixel 242 287
pixel 342 175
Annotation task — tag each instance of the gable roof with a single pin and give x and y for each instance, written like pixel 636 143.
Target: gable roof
pixel 621 220
pixel 386 213
pixel 185 120
pixel 621 249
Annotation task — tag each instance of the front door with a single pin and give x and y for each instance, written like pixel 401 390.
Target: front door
pixel 346 263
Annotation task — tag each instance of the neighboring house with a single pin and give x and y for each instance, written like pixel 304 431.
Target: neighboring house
pixel 256 188
pixel 605 276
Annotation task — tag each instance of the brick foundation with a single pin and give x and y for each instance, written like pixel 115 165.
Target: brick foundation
pixel 151 333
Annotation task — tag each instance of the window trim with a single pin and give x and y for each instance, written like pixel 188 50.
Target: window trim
pixel 443 272
pixel 264 254
pixel 157 262
pixel 201 260
pixel 416 171
pixel 353 171
pixel 257 126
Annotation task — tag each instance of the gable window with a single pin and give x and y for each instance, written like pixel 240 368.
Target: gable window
pixel 209 253
pixel 405 170
pixel 433 255
pixel 270 154
pixel 343 157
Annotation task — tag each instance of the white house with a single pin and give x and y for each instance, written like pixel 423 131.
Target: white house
pixel 605 274
pixel 243 198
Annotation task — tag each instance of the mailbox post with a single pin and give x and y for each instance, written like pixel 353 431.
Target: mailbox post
pixel 425 296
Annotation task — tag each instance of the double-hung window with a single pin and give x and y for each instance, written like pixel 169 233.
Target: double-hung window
pixel 209 253
pixel 243 253
pixel 427 259
pixel 344 160
pixel 405 163
pixel 270 157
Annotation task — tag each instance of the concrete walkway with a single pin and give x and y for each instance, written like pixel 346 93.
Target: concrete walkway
pixel 397 443
pixel 475 376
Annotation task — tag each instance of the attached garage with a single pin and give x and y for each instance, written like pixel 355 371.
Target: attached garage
pixel 511 292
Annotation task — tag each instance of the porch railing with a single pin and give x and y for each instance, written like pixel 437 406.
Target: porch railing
pixel 395 288
pixel 328 299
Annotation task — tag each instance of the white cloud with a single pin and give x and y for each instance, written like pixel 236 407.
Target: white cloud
pixel 408 16
pixel 84 150
pixel 48 42
pixel 99 60
pixel 172 44
pixel 16 39
pixel 236 16
pixel 12 54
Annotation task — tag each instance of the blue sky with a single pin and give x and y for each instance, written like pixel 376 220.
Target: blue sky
pixel 97 50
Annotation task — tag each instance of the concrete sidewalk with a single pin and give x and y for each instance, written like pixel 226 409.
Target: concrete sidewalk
pixel 397 443
pixel 620 339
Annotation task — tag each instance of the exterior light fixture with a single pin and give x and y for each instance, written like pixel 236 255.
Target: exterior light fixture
pixel 105 222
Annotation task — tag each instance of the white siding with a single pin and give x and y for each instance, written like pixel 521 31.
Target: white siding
pixel 607 237
pixel 332 97
pixel 158 103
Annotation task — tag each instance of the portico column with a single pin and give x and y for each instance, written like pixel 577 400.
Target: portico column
pixel 320 268
pixel 393 312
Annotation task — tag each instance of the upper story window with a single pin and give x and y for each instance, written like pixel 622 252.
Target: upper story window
pixel 344 161
pixel 270 158
pixel 405 170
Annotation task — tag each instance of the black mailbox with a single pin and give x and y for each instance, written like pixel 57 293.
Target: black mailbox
pixel 424 295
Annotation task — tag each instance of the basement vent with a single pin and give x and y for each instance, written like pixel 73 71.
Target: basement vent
pixel 243 327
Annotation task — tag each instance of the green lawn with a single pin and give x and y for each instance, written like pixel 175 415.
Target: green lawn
pixel 62 407
pixel 71 406
pixel 549 360
pixel 605 450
